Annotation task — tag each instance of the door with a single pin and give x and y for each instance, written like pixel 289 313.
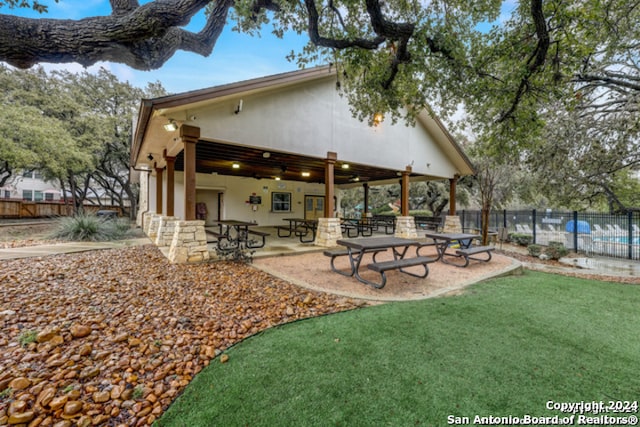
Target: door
pixel 313 207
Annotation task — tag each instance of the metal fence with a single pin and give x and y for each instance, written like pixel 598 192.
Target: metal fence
pixel 594 233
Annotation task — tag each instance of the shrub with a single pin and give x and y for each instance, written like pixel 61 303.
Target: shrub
pixel 556 250
pixel 235 254
pixel 84 227
pixel 534 250
pixel 521 239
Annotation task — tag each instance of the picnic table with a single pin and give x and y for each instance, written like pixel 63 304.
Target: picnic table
pixel 300 227
pixel 234 234
pixel 464 248
pixel 357 226
pixel 356 248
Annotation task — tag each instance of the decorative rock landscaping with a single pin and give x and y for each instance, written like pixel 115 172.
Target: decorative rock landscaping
pixel 112 337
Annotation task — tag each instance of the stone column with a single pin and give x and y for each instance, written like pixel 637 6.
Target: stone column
pixel 189 243
pixel 143 203
pixel 328 232
pixel 153 226
pixel 166 228
pixel 452 224
pixel 406 227
pixel 146 221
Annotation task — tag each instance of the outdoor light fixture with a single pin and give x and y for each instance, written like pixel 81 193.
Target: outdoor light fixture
pixel 277 178
pixel 345 166
pixel 306 174
pixel 266 155
pixel 150 157
pixel 172 126
pixel 239 108
pixel 236 165
pixel 377 119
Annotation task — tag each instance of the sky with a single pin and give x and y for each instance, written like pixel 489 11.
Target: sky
pixel 235 56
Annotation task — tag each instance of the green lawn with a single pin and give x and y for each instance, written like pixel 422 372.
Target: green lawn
pixel 506 347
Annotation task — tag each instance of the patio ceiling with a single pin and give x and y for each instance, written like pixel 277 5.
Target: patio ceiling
pixel 215 157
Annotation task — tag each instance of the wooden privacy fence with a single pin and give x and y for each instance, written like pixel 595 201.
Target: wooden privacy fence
pixel 26 209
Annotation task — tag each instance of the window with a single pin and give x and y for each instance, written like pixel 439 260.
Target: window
pixel 281 202
pixel 48 197
pixel 27 174
pixel 7 194
pixel 27 195
pixel 37 196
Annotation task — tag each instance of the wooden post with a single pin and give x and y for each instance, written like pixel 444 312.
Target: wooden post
pixel 190 136
pixel 404 205
pixel 158 189
pixel 365 210
pixel 329 189
pixel 171 161
pixel 452 194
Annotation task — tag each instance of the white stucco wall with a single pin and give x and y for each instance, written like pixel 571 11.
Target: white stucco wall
pixel 236 194
pixel 312 119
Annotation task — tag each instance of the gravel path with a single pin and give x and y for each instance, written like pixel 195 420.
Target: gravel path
pixel 113 336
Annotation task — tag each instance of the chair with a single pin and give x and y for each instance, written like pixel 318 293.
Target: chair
pixel 520 229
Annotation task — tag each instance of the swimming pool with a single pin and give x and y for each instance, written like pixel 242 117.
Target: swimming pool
pixel 618 239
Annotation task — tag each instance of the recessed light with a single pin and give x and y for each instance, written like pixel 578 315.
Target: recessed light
pixel 306 174
pixel 345 166
pixel 277 178
pixel 266 154
pixel 236 165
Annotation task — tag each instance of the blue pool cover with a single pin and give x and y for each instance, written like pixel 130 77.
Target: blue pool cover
pixel 583 227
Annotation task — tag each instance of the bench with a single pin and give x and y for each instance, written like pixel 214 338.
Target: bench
pixel 262 234
pixel 303 230
pixel 388 222
pixel 399 264
pixel 432 223
pixel 473 250
pixel 217 236
pixel 334 253
pixel 283 229
pixel 421 245
pixel 348 227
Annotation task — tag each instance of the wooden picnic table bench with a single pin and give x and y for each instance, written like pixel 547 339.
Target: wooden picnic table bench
pixel 262 234
pixel 335 253
pixel 467 253
pixel 400 264
pixel 356 248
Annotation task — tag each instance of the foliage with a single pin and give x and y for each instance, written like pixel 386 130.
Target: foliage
pixel 84 227
pixel 74 128
pixel 498 347
pixel 27 337
pixel 6 393
pixel 556 250
pixel 235 254
pixel 534 250
pixel 521 239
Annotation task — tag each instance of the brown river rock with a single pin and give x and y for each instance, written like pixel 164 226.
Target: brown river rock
pixel 112 322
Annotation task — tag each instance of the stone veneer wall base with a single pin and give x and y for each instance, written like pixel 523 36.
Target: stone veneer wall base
pixel 406 227
pixel 166 228
pixel 452 224
pixel 189 243
pixel 329 231
pixel 152 232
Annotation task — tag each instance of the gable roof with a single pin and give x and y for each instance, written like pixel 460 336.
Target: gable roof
pixel 155 112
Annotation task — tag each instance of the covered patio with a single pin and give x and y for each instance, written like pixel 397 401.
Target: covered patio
pixel 266 149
